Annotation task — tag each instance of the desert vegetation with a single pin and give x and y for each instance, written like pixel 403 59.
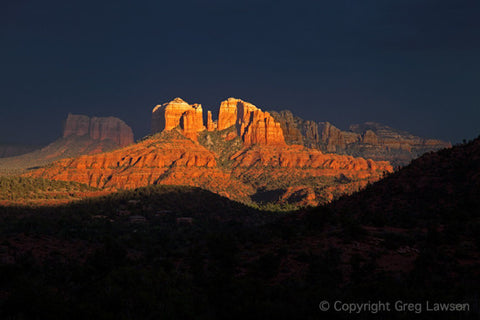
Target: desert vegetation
pixel 185 252
pixel 16 188
pixel 198 255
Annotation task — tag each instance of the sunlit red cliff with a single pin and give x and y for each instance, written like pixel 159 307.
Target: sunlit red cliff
pixel 240 155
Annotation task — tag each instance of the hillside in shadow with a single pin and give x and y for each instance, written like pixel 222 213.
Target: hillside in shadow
pixel 441 186
pixel 183 252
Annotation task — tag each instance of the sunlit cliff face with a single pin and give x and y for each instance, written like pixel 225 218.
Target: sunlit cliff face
pixel 253 125
pixel 245 153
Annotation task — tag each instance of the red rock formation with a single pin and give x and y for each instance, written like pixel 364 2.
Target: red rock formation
pixel 289 167
pixel 368 140
pixel 369 137
pixel 167 116
pixel 310 132
pixel 301 157
pixel 136 165
pixel 227 115
pixel 166 159
pixel 210 123
pixel 331 137
pixel 192 122
pixel 263 160
pixel 109 128
pixel 170 158
pixel 253 125
pixel 178 113
pixel 262 129
pixel 289 126
pixel 76 124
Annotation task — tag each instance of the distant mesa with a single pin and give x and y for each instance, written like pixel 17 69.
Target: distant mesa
pixel 97 128
pixel 81 135
pixel 252 124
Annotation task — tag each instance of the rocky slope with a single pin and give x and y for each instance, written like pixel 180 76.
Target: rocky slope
pixel 171 158
pixel 81 135
pixel 165 158
pixel 315 177
pixel 12 150
pixel 244 158
pixel 368 140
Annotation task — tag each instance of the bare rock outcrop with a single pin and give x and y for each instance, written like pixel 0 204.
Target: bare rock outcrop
pixel 289 125
pixel 211 126
pixel 245 154
pixel 228 113
pixel 368 140
pixel 178 113
pixel 76 124
pixel 104 128
pixel 253 125
pixel 297 156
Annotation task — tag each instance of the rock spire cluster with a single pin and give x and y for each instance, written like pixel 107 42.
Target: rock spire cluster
pixel 252 124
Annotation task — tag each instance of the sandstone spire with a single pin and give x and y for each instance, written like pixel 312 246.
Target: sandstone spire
pixel 178 113
pixel 210 123
pixel 253 125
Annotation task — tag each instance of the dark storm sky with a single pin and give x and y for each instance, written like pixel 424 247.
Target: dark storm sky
pixel 410 64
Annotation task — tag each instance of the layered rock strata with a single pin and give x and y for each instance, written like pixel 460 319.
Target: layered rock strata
pixel 253 125
pixel 171 158
pixel 368 140
pixel 178 113
pixel 104 128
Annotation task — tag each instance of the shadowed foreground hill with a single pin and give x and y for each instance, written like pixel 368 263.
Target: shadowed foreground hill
pixel 439 185
pixel 144 253
pixel 152 202
pixel 182 252
pixel 174 252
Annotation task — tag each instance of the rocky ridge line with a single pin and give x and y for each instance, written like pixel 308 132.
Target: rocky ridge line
pixel 369 140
